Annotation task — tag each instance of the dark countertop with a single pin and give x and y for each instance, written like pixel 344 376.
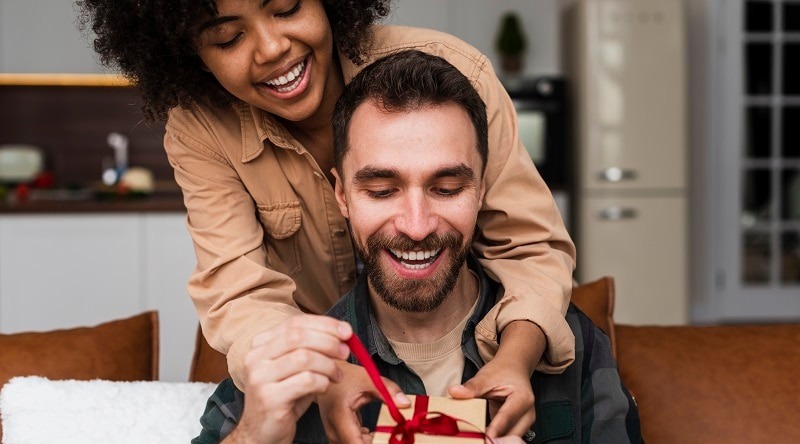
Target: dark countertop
pixel 161 202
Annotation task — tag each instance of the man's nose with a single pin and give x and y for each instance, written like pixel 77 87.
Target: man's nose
pixel 416 218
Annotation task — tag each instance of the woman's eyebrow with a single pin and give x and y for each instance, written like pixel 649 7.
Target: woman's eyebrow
pixel 219 20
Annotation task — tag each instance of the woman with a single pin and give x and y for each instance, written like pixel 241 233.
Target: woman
pixel 248 87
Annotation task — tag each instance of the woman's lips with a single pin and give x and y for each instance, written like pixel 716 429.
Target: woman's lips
pixel 291 84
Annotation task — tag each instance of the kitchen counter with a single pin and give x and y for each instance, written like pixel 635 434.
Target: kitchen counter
pixel 160 202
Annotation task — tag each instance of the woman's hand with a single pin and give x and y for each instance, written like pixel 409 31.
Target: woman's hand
pixel 340 404
pixel 506 380
pixel 284 370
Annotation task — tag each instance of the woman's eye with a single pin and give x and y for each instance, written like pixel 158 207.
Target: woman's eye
pixel 294 9
pixel 230 42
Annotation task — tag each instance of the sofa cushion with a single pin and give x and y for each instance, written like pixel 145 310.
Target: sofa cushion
pixel 208 365
pixel 713 384
pixel 120 350
pixel 596 300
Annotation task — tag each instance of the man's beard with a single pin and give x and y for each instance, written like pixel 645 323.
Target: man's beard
pixel 414 295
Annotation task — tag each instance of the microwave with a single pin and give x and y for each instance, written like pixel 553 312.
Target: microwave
pixel 541 106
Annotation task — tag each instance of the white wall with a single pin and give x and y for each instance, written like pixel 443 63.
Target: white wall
pixel 42 36
pixel 476 22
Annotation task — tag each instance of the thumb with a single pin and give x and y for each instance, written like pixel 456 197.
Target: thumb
pixel 396 393
pixel 473 388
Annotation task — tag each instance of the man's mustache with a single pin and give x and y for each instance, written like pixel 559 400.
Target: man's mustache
pixel 402 242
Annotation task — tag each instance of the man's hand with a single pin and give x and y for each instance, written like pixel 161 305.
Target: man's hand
pixel 340 404
pixel 505 380
pixel 285 368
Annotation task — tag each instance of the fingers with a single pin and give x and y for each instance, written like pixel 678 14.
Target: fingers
pixel 260 370
pixel 509 440
pixel 343 425
pixel 320 333
pixel 514 417
pixel 339 406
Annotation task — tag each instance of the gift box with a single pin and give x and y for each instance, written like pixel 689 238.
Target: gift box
pixel 430 420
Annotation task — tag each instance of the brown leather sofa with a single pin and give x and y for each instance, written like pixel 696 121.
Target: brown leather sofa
pixel 721 384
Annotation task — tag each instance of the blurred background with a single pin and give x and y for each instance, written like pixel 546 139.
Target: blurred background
pixel 667 131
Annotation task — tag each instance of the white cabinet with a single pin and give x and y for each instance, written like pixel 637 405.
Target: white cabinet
pixel 63 271
pixel 168 261
pixel 641 243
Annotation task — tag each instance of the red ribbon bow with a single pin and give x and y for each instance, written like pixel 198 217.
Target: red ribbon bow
pixel 430 423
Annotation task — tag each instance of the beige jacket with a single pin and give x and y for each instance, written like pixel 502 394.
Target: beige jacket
pixel 270 240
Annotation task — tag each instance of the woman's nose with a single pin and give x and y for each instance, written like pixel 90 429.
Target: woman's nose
pixel 271 44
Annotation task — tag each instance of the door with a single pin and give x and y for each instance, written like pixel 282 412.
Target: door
pixel 757 249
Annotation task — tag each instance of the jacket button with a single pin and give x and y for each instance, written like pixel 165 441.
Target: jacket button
pixel 339 232
pixel 318 175
pixel 529 436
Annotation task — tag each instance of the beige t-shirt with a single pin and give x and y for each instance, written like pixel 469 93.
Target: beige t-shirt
pixel 439 364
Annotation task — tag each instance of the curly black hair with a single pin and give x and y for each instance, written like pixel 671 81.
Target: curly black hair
pixel 152 43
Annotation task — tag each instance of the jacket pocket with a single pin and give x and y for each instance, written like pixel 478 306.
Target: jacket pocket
pixel 281 223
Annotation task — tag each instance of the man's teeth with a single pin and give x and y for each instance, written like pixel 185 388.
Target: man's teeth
pixel 284 82
pixel 414 255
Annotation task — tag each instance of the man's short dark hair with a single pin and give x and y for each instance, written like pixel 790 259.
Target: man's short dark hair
pixel 407 81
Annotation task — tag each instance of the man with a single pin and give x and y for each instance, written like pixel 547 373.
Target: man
pixel 411 150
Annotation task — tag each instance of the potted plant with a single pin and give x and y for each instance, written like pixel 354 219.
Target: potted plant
pixel 511 44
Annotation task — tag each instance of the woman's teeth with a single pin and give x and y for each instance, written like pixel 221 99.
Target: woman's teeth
pixel 288 82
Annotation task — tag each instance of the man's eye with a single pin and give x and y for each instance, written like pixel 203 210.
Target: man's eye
pixel 229 43
pixel 379 194
pixel 448 191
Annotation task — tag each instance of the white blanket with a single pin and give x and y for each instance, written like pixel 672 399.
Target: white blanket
pixel 36 410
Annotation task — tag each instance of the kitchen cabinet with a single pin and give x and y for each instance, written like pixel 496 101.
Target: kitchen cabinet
pixel 68 270
pixel 638 241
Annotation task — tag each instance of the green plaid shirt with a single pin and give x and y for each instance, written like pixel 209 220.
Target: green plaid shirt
pixel 586 403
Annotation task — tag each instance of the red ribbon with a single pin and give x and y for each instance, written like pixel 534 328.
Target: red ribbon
pixel 429 423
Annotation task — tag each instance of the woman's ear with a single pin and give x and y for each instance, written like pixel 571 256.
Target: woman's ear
pixel 341 199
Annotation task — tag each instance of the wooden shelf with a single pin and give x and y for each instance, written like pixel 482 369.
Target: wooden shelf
pixel 36 79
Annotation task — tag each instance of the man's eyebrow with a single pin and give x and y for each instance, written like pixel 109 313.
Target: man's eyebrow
pixel 459 171
pixel 219 20
pixel 369 173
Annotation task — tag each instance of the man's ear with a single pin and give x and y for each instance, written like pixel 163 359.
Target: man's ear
pixel 339 191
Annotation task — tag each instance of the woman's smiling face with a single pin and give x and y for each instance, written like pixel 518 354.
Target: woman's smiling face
pixel 276 55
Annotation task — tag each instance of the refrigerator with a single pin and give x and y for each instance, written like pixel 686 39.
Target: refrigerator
pixel 626 62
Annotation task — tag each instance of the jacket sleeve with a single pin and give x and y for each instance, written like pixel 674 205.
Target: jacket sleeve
pixel 522 241
pixel 234 293
pixel 614 415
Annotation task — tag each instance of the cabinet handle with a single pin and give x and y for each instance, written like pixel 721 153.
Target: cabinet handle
pixel 616 174
pixel 617 213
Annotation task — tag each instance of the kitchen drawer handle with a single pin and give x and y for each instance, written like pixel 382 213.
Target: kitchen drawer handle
pixel 616 174
pixel 617 213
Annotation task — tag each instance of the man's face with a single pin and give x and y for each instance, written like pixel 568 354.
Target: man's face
pixel 411 187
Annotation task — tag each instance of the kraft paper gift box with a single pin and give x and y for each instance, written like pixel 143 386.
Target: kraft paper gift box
pixel 469 412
